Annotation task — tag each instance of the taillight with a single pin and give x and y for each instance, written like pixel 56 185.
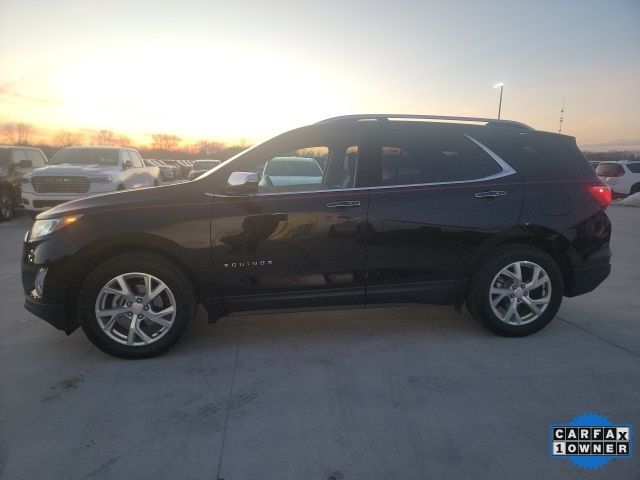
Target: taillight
pixel 601 193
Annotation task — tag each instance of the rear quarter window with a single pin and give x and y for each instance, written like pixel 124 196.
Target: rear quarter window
pixel 634 167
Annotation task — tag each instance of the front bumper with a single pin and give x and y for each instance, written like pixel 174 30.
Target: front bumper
pixel 53 313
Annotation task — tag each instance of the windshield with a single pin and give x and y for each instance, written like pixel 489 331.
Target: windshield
pixel 293 167
pixel 205 164
pixel 85 156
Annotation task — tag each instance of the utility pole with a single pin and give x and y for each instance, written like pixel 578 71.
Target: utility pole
pixel 562 114
pixel 500 86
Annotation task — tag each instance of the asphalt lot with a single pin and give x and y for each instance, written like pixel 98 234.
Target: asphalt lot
pixel 409 393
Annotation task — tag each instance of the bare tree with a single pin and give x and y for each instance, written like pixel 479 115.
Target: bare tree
pixel 17 133
pixel 10 131
pixel 65 138
pixel 207 147
pixel 124 141
pixel 105 137
pixel 24 130
pixel 166 142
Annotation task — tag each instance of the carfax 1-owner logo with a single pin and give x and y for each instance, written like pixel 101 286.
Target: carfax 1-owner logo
pixel 590 441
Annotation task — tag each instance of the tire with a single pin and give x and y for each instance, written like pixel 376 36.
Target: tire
pixel 7 205
pixel 100 292
pixel 120 188
pixel 635 189
pixel 522 320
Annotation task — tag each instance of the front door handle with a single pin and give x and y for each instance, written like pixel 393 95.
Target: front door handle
pixel 491 194
pixel 344 204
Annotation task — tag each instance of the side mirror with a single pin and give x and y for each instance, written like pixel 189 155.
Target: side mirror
pixel 25 164
pixel 242 183
pixel 127 164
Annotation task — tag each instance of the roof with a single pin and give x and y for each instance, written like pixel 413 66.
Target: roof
pixel 385 117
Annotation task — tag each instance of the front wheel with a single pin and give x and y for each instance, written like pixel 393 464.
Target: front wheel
pixel 517 291
pixel 135 305
pixel 7 206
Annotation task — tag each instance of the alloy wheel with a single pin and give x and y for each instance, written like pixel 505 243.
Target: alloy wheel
pixel 135 309
pixel 520 293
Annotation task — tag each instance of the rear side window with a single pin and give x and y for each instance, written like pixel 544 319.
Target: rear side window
pixel 609 170
pixel 414 156
pixel 634 167
pixel 37 159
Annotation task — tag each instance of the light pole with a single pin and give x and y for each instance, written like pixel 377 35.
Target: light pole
pixel 500 86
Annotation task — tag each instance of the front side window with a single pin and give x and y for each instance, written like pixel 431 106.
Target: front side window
pixel 634 167
pixel 303 161
pixel 416 156
pixel 135 159
pixel 37 159
pixel 18 156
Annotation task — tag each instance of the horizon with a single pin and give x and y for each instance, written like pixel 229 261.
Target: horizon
pixel 225 73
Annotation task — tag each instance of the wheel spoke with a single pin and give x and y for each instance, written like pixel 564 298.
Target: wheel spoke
pixel 145 338
pixel 538 282
pixel 151 294
pixel 158 317
pixel 509 313
pixel 532 306
pixel 124 288
pixel 131 337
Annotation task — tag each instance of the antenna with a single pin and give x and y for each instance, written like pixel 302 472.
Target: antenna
pixel 562 113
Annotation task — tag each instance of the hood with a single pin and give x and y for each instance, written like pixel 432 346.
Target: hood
pixel 88 170
pixel 174 194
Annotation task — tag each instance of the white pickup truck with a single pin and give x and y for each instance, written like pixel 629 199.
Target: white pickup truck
pixel 76 172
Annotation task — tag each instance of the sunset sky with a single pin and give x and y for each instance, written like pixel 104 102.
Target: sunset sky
pixel 249 69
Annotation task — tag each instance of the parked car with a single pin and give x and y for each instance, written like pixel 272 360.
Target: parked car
pixel 202 166
pixel 622 176
pixel 182 168
pixel 167 172
pixel 409 209
pixel 15 163
pixel 76 172
pixel 285 171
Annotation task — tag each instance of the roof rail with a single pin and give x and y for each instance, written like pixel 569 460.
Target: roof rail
pixel 385 117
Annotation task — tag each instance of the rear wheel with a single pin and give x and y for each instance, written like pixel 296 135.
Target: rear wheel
pixel 635 189
pixel 135 306
pixel 517 291
pixel 7 206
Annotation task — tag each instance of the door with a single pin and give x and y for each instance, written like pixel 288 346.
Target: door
pixel 439 195
pixel 295 242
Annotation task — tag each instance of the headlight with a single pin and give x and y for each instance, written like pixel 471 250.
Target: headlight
pixel 45 227
pixel 102 179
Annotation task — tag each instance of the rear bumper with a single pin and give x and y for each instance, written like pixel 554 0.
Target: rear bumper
pixel 52 313
pixel 590 274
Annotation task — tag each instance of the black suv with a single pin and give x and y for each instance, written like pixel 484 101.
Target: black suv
pixel 354 211
pixel 15 162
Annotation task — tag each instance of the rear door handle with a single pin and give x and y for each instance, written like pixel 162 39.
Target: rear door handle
pixel 491 194
pixel 344 204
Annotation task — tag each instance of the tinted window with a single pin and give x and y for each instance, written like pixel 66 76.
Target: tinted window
pixel 414 155
pixel 85 156
pixel 291 170
pixel 37 159
pixel 634 167
pixel 609 170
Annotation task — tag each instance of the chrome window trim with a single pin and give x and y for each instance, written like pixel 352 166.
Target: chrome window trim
pixel 507 170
